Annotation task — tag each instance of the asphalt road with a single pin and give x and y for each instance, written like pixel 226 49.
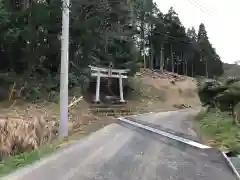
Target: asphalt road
pixel 123 152
pixel 179 123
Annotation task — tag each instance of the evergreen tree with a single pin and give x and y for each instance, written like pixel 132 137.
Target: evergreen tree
pixel 192 51
pixel 101 32
pixel 208 59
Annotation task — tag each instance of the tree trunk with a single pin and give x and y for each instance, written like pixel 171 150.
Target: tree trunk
pixel 142 48
pixel 172 60
pixel 161 59
pixel 186 67
pixel 26 4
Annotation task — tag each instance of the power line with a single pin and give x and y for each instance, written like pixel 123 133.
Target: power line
pixel 181 41
pixel 174 37
pixel 199 6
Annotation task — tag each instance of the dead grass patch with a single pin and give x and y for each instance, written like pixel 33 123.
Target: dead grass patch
pixel 26 127
pixel 25 130
pixel 146 90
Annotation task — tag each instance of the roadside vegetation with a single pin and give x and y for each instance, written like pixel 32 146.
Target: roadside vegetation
pixel 220 126
pixel 22 159
pixel 217 130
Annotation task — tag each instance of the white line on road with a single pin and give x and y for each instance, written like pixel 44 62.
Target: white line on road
pixel 171 136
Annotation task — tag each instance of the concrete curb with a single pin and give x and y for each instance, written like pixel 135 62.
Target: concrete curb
pixel 231 165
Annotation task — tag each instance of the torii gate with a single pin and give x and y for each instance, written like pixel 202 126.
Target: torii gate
pixel 110 73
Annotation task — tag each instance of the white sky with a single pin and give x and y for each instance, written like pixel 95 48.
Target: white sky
pixel 221 19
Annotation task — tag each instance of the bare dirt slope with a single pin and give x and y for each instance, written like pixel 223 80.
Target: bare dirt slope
pixel 168 89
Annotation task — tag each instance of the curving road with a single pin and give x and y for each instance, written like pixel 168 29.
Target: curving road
pixel 124 152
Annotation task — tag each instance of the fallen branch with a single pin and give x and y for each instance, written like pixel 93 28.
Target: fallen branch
pixel 75 101
pixel 11 91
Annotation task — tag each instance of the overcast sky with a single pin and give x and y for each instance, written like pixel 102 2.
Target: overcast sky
pixel 221 19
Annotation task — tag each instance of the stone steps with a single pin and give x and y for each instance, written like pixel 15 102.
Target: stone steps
pixel 112 110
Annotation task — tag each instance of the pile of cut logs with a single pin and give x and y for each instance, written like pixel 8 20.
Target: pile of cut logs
pixel 165 75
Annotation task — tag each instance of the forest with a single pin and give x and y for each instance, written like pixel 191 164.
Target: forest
pixel 129 34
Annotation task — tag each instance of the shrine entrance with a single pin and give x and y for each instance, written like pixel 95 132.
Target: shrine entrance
pixel 99 72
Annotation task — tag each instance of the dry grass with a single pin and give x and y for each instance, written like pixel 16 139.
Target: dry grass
pixel 145 90
pixel 34 133
pixel 25 127
pixel 24 130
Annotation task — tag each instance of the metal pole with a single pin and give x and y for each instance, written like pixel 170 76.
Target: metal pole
pixel 97 100
pixel 121 89
pixel 63 124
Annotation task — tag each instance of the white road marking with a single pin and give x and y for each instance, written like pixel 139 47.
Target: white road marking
pixel 165 134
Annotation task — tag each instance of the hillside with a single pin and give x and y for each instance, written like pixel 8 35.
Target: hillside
pixel 231 69
pixel 168 90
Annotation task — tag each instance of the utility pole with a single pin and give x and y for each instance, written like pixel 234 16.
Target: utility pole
pixel 161 59
pixel 63 124
pixel 151 36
